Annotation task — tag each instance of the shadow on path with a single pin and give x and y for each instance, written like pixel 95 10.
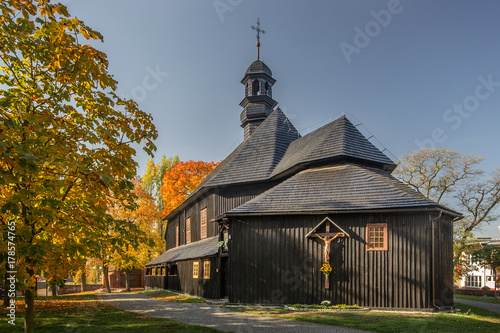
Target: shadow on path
pixel 213 316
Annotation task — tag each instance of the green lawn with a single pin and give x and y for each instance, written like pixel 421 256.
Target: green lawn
pixel 85 313
pixel 470 319
pixel 479 298
pixel 168 296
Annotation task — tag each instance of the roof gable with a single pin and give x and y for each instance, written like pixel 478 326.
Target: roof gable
pixel 256 158
pixel 337 140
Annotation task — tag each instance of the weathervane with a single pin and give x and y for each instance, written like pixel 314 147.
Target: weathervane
pixel 259 31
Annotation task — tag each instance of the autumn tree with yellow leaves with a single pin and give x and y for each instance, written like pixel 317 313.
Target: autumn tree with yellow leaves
pixel 135 253
pixel 65 153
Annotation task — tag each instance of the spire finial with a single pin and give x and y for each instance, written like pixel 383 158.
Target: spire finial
pixel 259 31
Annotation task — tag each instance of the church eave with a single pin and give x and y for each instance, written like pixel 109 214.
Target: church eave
pixel 258 75
pixel 258 98
pixel 331 161
pixel 430 208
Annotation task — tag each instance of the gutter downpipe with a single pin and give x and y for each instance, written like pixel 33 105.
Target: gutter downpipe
pixel 433 261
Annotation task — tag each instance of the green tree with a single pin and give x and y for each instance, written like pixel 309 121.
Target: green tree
pixel 446 175
pixel 152 182
pixel 489 256
pixel 65 136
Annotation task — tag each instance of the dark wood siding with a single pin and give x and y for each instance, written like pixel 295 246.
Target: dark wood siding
pixel 272 262
pixel 185 282
pixel 217 201
pixel 443 254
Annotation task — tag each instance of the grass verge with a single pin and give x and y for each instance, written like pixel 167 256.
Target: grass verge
pixel 469 319
pixel 479 298
pixel 168 296
pixel 85 313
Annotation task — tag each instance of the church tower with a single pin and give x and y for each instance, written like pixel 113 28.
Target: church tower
pixel 258 102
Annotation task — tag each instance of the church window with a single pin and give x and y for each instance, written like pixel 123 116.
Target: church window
pixel 196 269
pixel 188 230
pixel 176 235
pixel 255 88
pixel 203 222
pixel 266 87
pixel 376 237
pixel 206 269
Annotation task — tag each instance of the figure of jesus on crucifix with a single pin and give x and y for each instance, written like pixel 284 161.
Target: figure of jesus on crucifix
pixel 328 240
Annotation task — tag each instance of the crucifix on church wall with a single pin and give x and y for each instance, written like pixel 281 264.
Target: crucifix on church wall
pixel 327 238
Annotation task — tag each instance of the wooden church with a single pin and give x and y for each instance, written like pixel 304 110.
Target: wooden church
pixel 290 219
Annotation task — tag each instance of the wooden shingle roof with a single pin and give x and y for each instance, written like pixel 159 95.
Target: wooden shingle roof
pixel 340 188
pixel 338 140
pixel 200 249
pixel 255 159
pixel 258 67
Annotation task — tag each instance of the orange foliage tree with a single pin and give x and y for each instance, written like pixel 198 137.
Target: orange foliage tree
pixel 182 180
pixel 135 252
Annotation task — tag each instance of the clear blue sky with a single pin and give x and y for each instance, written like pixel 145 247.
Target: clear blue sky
pixel 416 69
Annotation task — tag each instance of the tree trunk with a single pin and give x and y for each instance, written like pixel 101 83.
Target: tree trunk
pixel 495 280
pixel 127 280
pixel 54 290
pixel 6 287
pixel 106 277
pixel 84 279
pixel 29 311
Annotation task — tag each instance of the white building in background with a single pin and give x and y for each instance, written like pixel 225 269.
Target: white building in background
pixel 481 276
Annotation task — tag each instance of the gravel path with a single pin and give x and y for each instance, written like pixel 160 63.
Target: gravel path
pixel 488 306
pixel 214 316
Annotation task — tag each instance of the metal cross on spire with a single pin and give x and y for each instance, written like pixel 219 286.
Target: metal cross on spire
pixel 259 31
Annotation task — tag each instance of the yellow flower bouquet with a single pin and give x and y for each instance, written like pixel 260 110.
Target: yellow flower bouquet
pixel 326 268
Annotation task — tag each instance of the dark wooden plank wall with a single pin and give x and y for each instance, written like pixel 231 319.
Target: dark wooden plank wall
pixel 230 197
pixel 444 262
pixel 273 263
pixel 155 282
pixel 217 201
pixel 207 288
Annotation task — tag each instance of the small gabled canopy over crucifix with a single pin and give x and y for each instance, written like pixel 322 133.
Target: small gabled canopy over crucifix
pixel 259 31
pixel 327 234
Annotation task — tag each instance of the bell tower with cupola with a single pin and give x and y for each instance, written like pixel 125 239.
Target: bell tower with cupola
pixel 258 102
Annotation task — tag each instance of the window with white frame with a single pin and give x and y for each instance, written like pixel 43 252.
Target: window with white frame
pixel 474 281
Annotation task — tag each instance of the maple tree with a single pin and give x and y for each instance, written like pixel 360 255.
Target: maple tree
pixel 65 153
pixel 137 252
pixel 182 180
